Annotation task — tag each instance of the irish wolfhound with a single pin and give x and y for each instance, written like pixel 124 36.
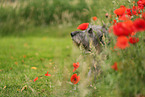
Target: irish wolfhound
pixel 92 34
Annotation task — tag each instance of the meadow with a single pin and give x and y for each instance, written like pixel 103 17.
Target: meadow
pixel 35 39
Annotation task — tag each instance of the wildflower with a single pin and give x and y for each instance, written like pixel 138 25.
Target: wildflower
pixel 123 17
pixel 143 15
pixel 106 15
pixel 110 29
pixel 75 79
pixel 35 79
pixel 128 12
pixel 122 42
pixel 114 22
pixel 123 28
pixel 16 63
pixel 47 74
pixel 76 65
pixel 139 12
pixel 94 18
pixel 110 16
pixel 133 40
pixel 133 33
pixel 114 66
pixel 120 11
pixel 83 26
pixel 141 4
pixel 134 10
pixel 139 24
pixel 24 56
pixel 113 49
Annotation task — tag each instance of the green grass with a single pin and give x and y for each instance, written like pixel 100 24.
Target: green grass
pixel 17 16
pixel 56 31
pixel 50 48
pixel 45 53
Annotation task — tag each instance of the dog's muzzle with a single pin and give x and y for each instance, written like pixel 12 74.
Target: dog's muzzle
pixel 72 34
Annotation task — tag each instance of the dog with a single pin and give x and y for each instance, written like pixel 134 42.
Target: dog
pixel 92 36
pixel 93 33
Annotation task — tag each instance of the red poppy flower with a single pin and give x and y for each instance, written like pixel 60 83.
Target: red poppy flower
pixel 143 15
pixel 35 79
pixel 120 11
pixel 123 17
pixel 123 28
pixel 139 24
pixel 134 12
pixel 114 66
pixel 139 11
pixel 76 65
pixel 83 26
pixel 122 42
pixel 133 33
pixel 128 11
pixel 134 7
pixel 133 40
pixel 114 22
pixel 141 4
pixel 75 79
pixel 47 74
pixel 94 18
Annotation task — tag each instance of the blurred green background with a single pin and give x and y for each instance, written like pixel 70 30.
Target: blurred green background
pixel 40 31
pixel 17 16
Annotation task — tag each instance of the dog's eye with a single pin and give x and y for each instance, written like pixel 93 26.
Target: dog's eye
pixel 77 32
pixel 90 30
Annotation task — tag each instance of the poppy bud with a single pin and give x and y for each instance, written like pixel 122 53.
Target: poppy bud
pixel 106 15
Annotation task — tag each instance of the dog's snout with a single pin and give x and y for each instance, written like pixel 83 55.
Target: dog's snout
pixel 72 34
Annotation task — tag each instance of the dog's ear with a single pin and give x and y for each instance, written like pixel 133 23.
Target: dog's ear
pixel 104 29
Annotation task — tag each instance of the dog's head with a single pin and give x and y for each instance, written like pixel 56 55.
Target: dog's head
pixel 92 33
pixel 80 38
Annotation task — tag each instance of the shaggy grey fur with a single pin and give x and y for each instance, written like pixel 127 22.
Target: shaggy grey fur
pixel 93 33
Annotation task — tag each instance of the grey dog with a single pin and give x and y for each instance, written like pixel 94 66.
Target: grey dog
pixel 93 33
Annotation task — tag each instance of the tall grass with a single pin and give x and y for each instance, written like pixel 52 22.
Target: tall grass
pixel 20 14
pixel 45 12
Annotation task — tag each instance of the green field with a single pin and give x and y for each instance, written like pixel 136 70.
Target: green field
pixel 35 39
pixel 45 53
pixel 26 55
